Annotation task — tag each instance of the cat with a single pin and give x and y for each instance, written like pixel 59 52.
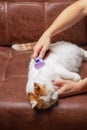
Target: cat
pixel 63 62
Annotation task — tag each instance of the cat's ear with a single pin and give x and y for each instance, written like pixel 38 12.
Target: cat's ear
pixel 36 86
pixel 33 103
pixel 40 90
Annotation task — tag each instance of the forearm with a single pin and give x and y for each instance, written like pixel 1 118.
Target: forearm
pixel 67 18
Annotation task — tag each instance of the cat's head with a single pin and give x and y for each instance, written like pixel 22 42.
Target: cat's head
pixel 42 98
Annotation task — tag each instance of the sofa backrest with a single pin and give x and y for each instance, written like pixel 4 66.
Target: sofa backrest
pixel 27 20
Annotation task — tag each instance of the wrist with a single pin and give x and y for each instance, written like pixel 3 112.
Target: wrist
pixel 49 33
pixel 82 84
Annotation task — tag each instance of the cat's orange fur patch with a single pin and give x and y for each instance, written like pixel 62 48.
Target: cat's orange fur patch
pixel 20 46
pixel 26 46
pixel 30 46
pixel 39 90
pixel 33 97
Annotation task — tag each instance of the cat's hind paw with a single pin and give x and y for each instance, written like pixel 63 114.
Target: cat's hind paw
pixel 19 47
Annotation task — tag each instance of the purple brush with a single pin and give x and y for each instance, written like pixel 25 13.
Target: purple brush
pixel 39 63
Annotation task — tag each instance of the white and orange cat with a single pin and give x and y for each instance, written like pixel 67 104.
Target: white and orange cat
pixel 63 62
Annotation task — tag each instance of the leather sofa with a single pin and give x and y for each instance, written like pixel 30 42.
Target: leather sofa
pixel 24 21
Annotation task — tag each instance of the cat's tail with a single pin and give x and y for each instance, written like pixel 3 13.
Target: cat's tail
pixel 23 47
pixel 84 54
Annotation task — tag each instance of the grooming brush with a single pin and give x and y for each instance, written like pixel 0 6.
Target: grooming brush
pixel 39 63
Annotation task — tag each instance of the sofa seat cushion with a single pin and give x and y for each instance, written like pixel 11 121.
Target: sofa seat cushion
pixel 15 109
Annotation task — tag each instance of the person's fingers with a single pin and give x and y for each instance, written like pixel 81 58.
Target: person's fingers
pixel 36 52
pixel 42 52
pixel 56 88
pixel 65 90
pixel 62 90
pixel 58 83
pixel 35 55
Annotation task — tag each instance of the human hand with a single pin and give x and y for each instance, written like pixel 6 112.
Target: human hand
pixel 42 46
pixel 68 87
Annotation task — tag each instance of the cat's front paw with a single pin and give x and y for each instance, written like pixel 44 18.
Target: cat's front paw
pixel 76 77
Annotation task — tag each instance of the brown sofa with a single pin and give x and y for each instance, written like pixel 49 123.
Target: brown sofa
pixel 24 21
